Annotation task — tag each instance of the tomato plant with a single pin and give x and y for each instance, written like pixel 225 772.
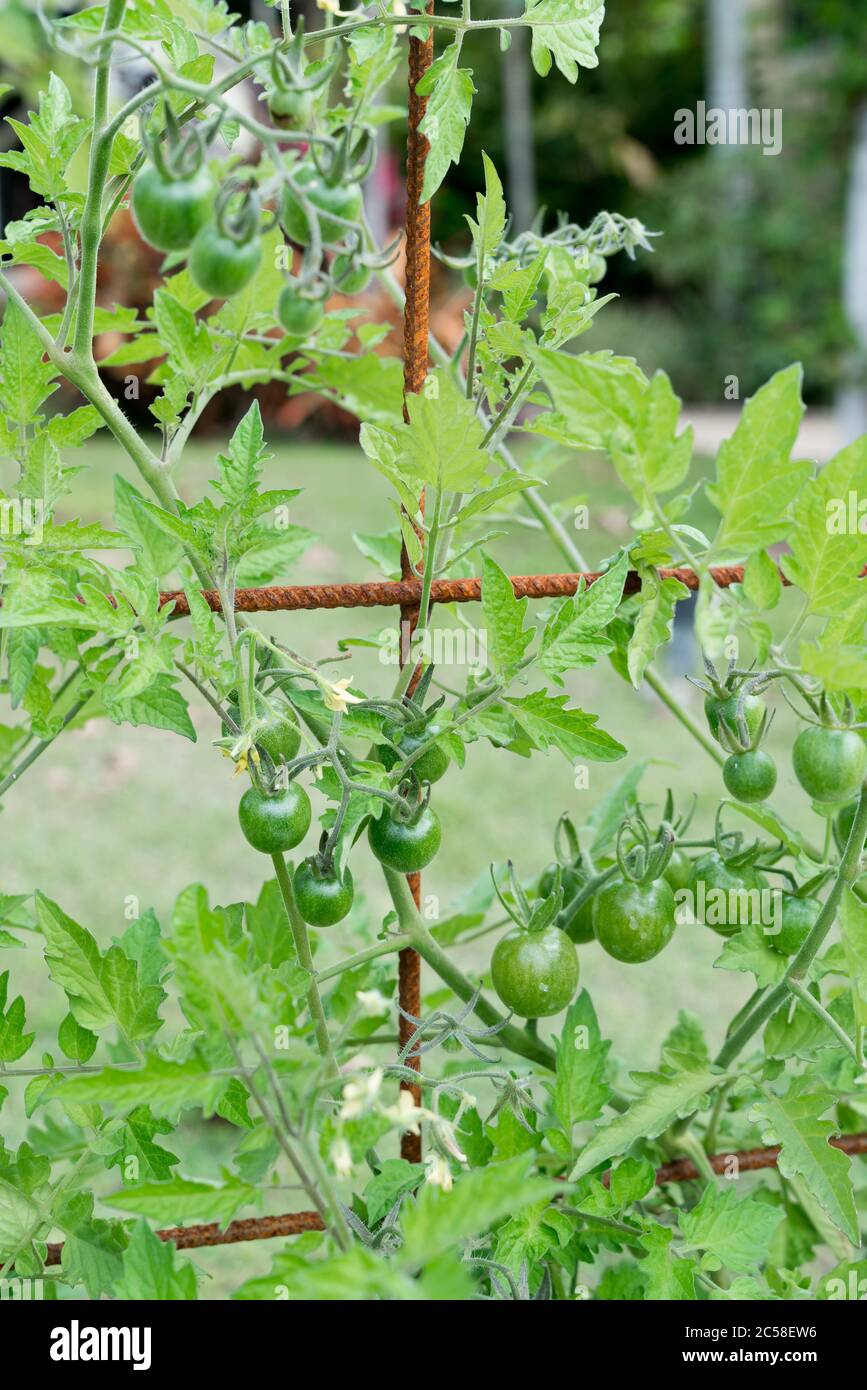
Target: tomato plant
pixel 441 1149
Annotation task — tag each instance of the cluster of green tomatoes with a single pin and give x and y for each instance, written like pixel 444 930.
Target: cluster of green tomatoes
pixel 631 907
pixel 405 837
pixel 179 209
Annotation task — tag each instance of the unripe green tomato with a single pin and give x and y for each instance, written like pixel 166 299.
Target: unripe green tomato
pixel 430 767
pixel 169 212
pixel 548 878
pixel 750 776
pixel 349 277
pixel 222 266
pixel 576 922
pixel 727 708
pixel 830 764
pixel 843 823
pixel 275 824
pixel 341 200
pixel 598 267
pixel 291 110
pixel 798 919
pixel 298 316
pixel 280 737
pixel 323 898
pixel 535 974
pixel 633 922
pixel 407 846
pixel 678 870
pixel 712 875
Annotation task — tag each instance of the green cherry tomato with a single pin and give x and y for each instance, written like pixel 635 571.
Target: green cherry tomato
pixel 843 823
pixel 349 277
pixel 598 267
pixel 280 737
pixel 678 870
pixel 430 767
pixel 830 764
pixel 726 897
pixel 298 316
pixel 275 824
pixel 750 776
pixel 169 212
pixel 535 974
pixel 341 200
pixel 634 921
pixel 576 922
pixel 323 897
pixel 222 266
pixel 727 708
pixel 407 846
pixel 798 917
pixel 291 110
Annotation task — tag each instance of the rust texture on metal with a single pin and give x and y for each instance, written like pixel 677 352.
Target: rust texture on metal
pixel 416 329
pixel 416 316
pixel 253 1228
pixel 749 1160
pixel 405 593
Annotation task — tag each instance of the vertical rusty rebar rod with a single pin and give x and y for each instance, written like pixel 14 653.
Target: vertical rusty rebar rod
pixel 416 325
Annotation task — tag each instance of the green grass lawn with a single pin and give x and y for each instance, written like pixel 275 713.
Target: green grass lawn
pixel 111 815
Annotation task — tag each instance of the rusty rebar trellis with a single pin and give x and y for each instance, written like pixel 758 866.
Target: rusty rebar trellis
pixel 297 1222
pixel 406 594
pixel 416 329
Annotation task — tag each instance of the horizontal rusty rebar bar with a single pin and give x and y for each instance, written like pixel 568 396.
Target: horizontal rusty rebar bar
pixel 385 593
pixel 749 1160
pixel 297 1222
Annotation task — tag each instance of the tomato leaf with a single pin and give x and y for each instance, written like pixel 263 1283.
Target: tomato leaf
pixel 794 1122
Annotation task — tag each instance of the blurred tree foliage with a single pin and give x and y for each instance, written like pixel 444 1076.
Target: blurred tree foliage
pixel 608 142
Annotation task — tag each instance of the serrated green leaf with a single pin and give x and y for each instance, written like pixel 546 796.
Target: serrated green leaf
pixel 442 444
pixel 566 31
pixel 750 950
pixel 241 468
pixel 793 1121
pixel 737 1230
pixel 165 1087
pixel 656 606
pixel 507 638
pixel 756 480
pixel 827 549
pixel 150 1271
pixel 581 1090
pixel 762 583
pixel 665 1099
pixel 549 724
pixel 160 706
pixel 14 1042
pixel 574 634
pixel 667 1277
pixel 438 1220
pixel 159 551
pixel 490 224
pixel 449 90
pixel 183 1199
pixel 102 987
